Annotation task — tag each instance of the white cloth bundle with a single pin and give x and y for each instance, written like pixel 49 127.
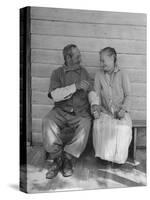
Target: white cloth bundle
pixel 112 137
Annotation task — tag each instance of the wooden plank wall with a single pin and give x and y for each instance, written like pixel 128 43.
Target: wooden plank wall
pixel 52 29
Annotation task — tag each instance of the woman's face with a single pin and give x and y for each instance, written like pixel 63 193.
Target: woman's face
pixel 106 62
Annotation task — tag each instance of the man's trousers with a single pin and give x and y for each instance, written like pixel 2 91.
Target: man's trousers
pixel 54 122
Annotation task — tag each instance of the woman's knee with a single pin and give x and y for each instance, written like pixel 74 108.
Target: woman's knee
pixel 96 121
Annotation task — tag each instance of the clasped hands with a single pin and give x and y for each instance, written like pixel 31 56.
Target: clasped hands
pixel 82 85
pixel 120 114
pixel 96 111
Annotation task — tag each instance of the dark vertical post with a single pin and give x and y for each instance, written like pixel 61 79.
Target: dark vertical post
pixel 25 94
pixel 134 143
pixel 28 76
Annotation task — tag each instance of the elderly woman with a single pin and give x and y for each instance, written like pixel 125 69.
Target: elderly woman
pixel 112 129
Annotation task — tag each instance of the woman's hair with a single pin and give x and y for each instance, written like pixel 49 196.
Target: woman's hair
pixel 68 50
pixel 111 51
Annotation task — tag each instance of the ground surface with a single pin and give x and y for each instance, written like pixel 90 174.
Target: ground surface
pixel 89 173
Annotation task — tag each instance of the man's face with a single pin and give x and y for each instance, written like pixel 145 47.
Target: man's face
pixel 76 56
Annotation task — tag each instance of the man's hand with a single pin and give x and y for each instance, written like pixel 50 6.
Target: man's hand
pixel 121 114
pixel 95 111
pixel 82 85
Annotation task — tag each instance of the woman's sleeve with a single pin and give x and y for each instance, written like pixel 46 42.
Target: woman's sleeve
pixel 97 86
pixel 92 96
pixel 127 91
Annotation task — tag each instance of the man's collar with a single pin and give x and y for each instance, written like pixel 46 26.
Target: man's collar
pixel 67 69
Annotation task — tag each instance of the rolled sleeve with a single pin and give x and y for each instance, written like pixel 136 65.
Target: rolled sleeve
pixel 93 98
pixel 56 91
pixel 54 83
pixel 63 93
pixel 97 87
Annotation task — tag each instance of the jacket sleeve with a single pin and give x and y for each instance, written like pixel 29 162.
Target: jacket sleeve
pixel 127 92
pixel 63 93
pixel 97 87
pixel 58 93
pixel 92 96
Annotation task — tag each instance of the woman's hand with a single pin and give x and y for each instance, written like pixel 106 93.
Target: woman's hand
pixel 121 114
pixel 95 111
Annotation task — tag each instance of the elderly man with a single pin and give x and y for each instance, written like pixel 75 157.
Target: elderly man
pixel 72 93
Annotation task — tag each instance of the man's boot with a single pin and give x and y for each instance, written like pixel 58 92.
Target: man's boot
pixel 67 165
pixel 55 167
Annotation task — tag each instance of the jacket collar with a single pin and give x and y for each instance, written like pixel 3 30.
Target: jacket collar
pixel 67 69
pixel 117 68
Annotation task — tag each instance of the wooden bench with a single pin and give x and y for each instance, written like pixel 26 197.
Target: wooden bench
pixel 135 125
pixel 133 146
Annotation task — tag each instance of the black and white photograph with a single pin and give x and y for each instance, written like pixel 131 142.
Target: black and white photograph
pixel 82 99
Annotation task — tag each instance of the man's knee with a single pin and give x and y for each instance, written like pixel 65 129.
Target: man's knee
pixel 49 132
pixel 83 130
pixel 49 122
pixel 48 125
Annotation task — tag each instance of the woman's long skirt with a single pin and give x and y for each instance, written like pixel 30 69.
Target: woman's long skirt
pixel 112 137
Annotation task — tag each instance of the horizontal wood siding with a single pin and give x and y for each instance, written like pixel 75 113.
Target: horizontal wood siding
pixel 88 44
pixel 88 16
pixel 52 29
pixel 88 58
pixel 45 71
pixel 58 28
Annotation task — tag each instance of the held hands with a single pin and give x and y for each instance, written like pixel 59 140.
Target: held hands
pixel 95 111
pixel 120 114
pixel 82 85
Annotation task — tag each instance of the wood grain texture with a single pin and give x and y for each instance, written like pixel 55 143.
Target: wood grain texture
pixel 37 138
pixel 88 58
pixel 41 98
pixel 88 16
pixel 138 89
pixel 45 71
pixel 39 111
pixel 88 30
pixel 36 125
pixel 141 137
pixel 88 44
